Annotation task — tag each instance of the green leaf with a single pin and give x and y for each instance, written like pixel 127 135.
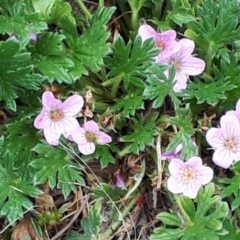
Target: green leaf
pixel 158 86
pixel 88 50
pixel 131 60
pixel 171 219
pixel 14 194
pixel 107 192
pixel 210 93
pixel 206 221
pixel 233 231
pixel 128 105
pixel 20 20
pixel 144 132
pixel 184 123
pixel 219 21
pixel 53 165
pixel 15 72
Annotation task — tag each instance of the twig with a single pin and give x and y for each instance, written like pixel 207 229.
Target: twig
pixel 58 235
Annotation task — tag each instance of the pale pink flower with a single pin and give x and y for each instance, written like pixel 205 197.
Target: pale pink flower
pixel 120 181
pixel 237 111
pixel 188 177
pixel 185 64
pixel 165 41
pixel 225 141
pixel 177 152
pixel 58 118
pixel 87 136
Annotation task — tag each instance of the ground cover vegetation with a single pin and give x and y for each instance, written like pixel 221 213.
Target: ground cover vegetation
pixel 119 119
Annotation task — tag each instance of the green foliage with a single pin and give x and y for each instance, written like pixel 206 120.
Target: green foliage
pixel 87 51
pixel 201 222
pixel 107 192
pixel 15 72
pixel 90 225
pixel 232 188
pixel 218 21
pixel 14 194
pixel 233 232
pixel 158 86
pixel 53 165
pixel 128 105
pixel 143 134
pixel 131 60
pixel 210 93
pixel 184 123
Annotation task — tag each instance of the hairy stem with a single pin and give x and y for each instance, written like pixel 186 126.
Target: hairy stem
pixel 84 9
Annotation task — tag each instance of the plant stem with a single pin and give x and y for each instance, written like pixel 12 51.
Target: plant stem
pixel 157 12
pixel 84 9
pixel 116 86
pixel 101 3
pixel 115 224
pixel 187 219
pixel 209 58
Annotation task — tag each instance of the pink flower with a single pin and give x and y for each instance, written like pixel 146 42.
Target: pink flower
pixel 176 153
pixel 58 118
pixel 185 64
pixel 188 177
pixel 225 141
pixel 237 112
pixel 165 41
pixel 120 182
pixel 87 136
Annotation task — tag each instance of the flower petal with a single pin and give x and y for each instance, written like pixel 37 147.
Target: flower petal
pixel 192 189
pixel 146 31
pixel 87 148
pixel 230 126
pixel 91 126
pixel 194 66
pixel 72 105
pixel 38 122
pixel 50 102
pixel 222 157
pixel 214 137
pixel 69 125
pixel 194 162
pixel 103 138
pixel 175 185
pixel 78 136
pixel 187 45
pixel 52 134
pixel 204 174
pixel 168 155
pixel 175 166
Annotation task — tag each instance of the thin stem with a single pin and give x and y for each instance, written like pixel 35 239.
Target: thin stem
pixel 116 86
pixel 184 214
pixel 101 3
pixel 157 12
pixel 84 9
pixel 209 58
pixel 115 224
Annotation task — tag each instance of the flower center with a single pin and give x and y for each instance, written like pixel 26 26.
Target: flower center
pixel 177 64
pixel 90 136
pixel 56 115
pixel 188 175
pixel 230 144
pixel 159 44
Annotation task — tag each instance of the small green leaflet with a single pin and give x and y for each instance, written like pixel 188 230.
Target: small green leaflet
pixel 210 93
pixel 183 122
pixel 53 165
pixel 158 86
pixel 128 105
pixel 131 60
pixel 144 132
pixel 14 194
pixel 87 51
pixel 205 218
pixel 15 72
pixel 16 14
pixel 219 22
